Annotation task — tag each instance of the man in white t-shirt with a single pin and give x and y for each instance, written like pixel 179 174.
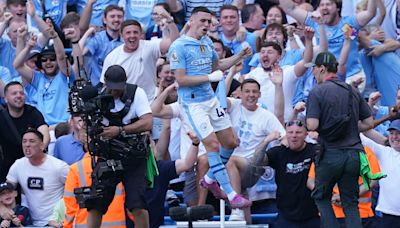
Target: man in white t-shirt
pixel 270 54
pixel 389 161
pixel 40 176
pixel 138 57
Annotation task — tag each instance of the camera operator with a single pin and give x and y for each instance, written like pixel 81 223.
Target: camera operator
pixel 121 127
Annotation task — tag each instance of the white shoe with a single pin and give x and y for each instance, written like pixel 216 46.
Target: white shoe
pixel 236 215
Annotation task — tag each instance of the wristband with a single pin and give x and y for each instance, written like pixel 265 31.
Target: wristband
pixel 75 42
pixel 195 144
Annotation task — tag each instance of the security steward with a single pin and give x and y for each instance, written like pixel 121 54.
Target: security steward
pixel 126 125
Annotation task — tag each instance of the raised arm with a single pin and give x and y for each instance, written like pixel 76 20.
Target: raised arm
pixel 364 17
pixel 31 11
pixel 84 21
pixel 296 12
pixel 90 32
pixel 344 54
pixel 72 35
pixel 277 78
pixel 161 152
pixel 299 68
pixel 224 64
pixel 62 60
pixel 382 12
pixel 159 108
pixel 170 31
pixel 19 61
pixel 4 24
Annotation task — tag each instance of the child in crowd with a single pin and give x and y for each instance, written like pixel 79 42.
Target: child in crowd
pixel 21 215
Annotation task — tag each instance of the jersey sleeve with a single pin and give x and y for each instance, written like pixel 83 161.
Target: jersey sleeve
pixel 177 56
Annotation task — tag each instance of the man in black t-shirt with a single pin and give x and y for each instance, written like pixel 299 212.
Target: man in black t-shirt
pixel 295 206
pixel 338 112
pixel 15 119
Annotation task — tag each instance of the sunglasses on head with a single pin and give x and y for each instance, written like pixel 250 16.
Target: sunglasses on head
pixel 298 123
pixel 44 59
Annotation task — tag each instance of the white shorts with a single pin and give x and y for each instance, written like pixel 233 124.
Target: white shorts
pixel 206 117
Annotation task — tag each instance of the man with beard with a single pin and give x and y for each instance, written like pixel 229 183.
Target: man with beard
pixel 102 43
pixel 17 117
pixel 329 13
pixel 270 55
pixel 51 82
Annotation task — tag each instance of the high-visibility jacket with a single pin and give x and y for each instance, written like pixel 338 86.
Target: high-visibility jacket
pixel 364 201
pixel 79 176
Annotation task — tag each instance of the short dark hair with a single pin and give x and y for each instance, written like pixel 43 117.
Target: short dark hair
pixel 201 9
pixel 279 27
pixel 70 18
pixel 229 7
pixel 11 84
pixel 130 22
pixel 272 44
pixel 112 7
pixel 250 81
pixel 61 129
pixel 34 131
pixel 17 2
pixel 247 11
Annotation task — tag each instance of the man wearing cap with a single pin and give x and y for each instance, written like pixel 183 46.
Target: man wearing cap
pixel 40 176
pixel 131 117
pixel 51 80
pixel 389 161
pixel 15 119
pixel 338 113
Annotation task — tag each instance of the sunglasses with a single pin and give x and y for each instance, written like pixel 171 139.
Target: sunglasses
pixel 44 59
pixel 298 123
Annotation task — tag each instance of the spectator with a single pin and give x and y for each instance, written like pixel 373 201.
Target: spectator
pixel 40 176
pixel 17 8
pixel 389 161
pixel 97 45
pixel 252 17
pixel 92 12
pixel 252 124
pixel 155 31
pixel 229 22
pixel 15 119
pixel 270 54
pixel 68 148
pixel 329 13
pixel 7 47
pixel 138 57
pixel 338 161
pixel 51 82
pixel 292 164
pixel 21 215
pixel 55 10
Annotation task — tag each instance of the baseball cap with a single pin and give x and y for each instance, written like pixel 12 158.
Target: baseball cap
pixel 48 50
pixel 115 77
pixel 35 51
pixel 394 125
pixel 6 186
pixel 323 59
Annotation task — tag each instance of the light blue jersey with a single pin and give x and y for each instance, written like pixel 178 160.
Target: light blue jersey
pixel 385 72
pixel 99 46
pixel 196 57
pixel 336 39
pixel 52 96
pixel 7 56
pixel 236 46
pixel 97 10
pixel 291 57
pixel 5 75
pixel 141 11
pixel 56 9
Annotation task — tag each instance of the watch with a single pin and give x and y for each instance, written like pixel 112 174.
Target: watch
pixel 122 131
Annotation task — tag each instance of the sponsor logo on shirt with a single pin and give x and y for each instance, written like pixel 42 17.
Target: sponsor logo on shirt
pixel 299 167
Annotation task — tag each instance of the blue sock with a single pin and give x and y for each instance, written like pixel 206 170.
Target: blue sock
pixel 219 171
pixel 225 154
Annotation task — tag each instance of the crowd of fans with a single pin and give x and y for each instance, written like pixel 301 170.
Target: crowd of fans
pixel 273 54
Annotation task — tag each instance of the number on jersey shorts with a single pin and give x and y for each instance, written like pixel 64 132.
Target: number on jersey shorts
pixel 206 117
